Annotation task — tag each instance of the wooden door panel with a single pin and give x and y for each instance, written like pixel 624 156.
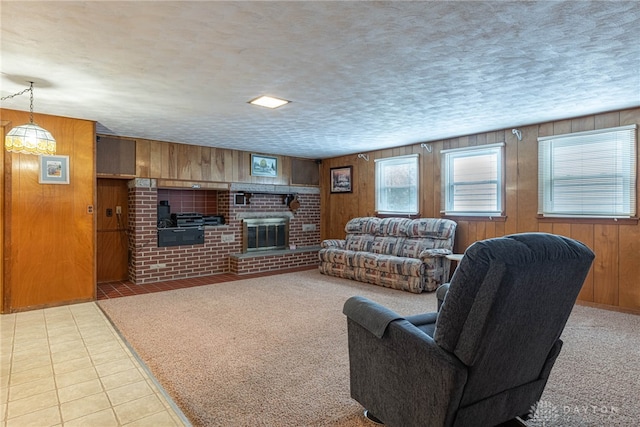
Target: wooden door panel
pixel 112 230
pixel 112 262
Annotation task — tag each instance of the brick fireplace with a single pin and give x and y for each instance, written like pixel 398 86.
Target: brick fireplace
pixel 222 251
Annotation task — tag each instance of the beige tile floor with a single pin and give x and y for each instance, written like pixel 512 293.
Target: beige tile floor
pixel 67 366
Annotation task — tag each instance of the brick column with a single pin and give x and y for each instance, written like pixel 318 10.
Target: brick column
pixel 143 227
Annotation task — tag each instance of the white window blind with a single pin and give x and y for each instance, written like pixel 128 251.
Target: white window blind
pixel 397 185
pixel 588 174
pixel 472 180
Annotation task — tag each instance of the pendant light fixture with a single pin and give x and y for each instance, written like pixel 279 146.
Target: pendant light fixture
pixel 29 138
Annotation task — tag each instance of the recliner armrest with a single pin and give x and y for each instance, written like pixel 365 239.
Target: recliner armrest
pixel 408 365
pixel 370 315
pixel 441 294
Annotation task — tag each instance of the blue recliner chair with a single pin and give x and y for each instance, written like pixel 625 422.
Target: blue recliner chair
pixel 485 357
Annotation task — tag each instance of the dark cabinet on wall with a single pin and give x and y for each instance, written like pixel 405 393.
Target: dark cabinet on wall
pixel 305 172
pixel 115 156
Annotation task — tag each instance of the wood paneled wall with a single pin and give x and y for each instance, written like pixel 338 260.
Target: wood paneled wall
pixel 49 234
pixel 186 164
pixel 614 280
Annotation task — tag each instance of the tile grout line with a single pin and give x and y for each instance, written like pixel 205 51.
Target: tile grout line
pixel 146 369
pixel 53 372
pixel 93 364
pixel 41 322
pixel 58 326
pixel 5 417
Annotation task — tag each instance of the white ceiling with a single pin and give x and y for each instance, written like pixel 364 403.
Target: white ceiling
pixel 361 75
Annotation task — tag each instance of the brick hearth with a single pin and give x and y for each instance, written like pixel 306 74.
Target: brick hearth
pixel 260 262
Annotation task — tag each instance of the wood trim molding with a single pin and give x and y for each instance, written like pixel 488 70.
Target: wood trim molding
pixel 498 218
pixel 609 307
pixel 114 176
pixel 568 220
pixel 193 185
pixel 5 223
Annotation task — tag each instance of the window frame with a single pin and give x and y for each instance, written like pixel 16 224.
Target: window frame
pixel 546 179
pixel 388 161
pixel 448 186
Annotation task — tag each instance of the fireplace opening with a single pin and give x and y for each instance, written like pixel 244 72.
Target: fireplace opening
pixel 261 234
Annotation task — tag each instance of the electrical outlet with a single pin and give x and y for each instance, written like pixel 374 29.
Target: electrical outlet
pixel 118 210
pixel 308 227
pixel 158 266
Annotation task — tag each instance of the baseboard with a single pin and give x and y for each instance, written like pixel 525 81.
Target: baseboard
pixel 609 307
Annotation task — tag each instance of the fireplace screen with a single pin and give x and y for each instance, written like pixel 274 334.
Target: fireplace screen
pixel 265 233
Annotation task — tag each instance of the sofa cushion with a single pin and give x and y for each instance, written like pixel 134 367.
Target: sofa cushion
pixel 362 225
pixel 357 259
pixel 369 261
pixel 399 265
pixel 374 262
pixel 359 242
pixel 333 256
pixel 386 245
pixel 433 228
pixel 413 247
pixel 394 227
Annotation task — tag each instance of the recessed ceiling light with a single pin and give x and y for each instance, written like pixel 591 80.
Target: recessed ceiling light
pixel 269 101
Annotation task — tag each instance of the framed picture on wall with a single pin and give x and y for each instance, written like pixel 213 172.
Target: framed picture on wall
pixel 54 170
pixel 264 165
pixel 341 179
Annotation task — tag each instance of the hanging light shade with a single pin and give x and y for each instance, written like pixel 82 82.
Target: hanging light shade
pixel 29 138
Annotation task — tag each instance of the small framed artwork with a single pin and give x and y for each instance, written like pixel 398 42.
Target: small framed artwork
pixel 264 165
pixel 54 170
pixel 341 179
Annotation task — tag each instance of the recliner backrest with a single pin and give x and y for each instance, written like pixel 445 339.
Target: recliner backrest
pixel 507 305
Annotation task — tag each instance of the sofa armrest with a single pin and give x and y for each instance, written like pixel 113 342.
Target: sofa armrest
pixel 333 243
pixel 434 253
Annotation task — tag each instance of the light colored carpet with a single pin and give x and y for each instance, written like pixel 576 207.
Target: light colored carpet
pixel 273 352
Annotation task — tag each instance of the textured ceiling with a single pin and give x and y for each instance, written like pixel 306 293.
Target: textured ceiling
pixel 361 75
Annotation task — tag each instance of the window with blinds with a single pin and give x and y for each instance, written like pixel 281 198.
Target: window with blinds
pixel 588 174
pixel 473 180
pixel 397 185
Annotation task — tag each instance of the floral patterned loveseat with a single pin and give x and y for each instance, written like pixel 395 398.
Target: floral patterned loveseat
pixel 397 253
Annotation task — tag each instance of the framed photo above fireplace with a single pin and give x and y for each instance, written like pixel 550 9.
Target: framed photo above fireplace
pixel 264 165
pixel 341 179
